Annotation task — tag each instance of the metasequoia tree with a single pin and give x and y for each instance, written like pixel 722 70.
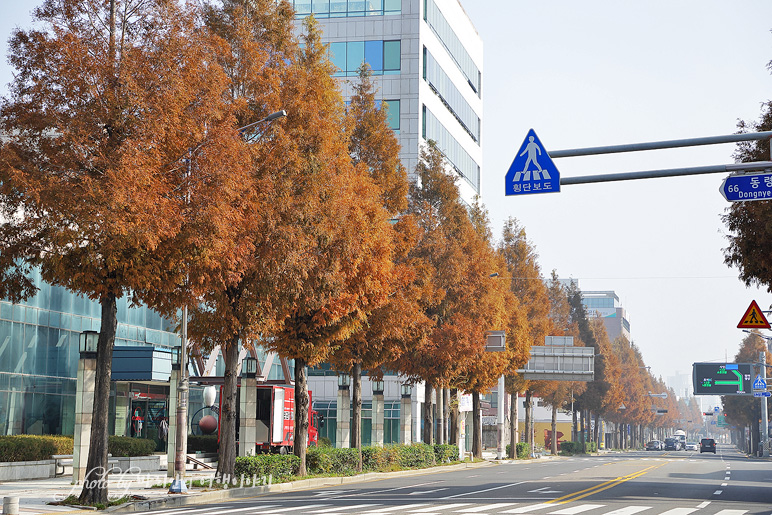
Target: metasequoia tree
pixel 449 280
pixel 743 411
pixel 109 104
pixel 374 150
pixel 331 215
pixel 750 236
pixel 527 285
pixel 239 283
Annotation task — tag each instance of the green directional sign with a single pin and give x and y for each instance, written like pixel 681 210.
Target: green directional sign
pixel 722 378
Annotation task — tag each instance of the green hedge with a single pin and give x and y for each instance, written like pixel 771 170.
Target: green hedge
pixel 329 460
pixel 277 466
pixel 523 450
pixel 570 448
pixel 445 453
pixel 202 443
pixel 127 447
pixel 33 447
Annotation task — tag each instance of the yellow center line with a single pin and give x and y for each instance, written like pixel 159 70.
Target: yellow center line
pixel 581 494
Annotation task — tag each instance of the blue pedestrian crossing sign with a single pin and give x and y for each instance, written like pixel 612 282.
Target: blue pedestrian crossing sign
pixel 532 170
pixel 759 383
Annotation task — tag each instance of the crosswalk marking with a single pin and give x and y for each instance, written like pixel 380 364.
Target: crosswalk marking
pixel 342 508
pixel 282 510
pixel 527 509
pixel 628 510
pixel 732 512
pixel 441 507
pixel 406 507
pixel 574 510
pixel 679 511
pixel 487 507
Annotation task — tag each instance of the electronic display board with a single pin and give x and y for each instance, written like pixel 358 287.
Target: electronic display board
pixel 722 378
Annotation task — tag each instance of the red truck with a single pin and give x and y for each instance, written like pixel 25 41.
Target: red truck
pixel 276 419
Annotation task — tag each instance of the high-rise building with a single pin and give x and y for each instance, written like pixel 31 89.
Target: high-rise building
pixel 605 304
pixel 426 57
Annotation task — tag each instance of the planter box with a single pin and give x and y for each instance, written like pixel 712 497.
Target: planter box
pixel 19 470
pixel 138 464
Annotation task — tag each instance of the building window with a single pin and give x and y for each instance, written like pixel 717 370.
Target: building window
pixel 346 8
pixel 458 158
pixel 440 26
pixel 441 84
pixel 393 112
pixel 384 57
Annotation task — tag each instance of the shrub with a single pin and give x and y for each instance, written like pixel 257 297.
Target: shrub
pixel 126 446
pixel 324 442
pixel 33 447
pixel 570 448
pixel 202 443
pixel 329 460
pixel 445 453
pixel 279 467
pixel 376 458
pixel 418 455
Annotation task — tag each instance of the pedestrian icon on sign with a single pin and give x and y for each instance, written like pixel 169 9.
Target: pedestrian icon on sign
pixel 532 170
pixel 532 149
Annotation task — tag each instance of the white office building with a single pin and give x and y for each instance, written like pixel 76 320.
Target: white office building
pixel 426 57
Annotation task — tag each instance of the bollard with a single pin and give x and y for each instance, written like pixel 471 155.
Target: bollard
pixel 10 505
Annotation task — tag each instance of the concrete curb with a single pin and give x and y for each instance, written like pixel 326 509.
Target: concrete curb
pixel 174 501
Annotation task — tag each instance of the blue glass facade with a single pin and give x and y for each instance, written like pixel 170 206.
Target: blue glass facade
pixel 39 354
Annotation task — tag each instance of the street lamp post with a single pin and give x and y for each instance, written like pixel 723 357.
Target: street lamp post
pixel 180 452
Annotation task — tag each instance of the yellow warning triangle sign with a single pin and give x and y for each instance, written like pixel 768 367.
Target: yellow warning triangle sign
pixel 753 318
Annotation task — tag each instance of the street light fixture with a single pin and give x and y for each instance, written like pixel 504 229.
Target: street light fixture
pixel 406 390
pixel 378 386
pixel 249 367
pixel 344 381
pixel 88 344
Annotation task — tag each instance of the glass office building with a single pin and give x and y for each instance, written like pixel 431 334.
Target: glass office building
pixel 39 357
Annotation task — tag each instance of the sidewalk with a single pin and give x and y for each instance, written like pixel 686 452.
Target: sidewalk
pixel 35 494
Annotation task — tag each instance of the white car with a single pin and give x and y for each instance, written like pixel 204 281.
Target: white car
pixel 691 446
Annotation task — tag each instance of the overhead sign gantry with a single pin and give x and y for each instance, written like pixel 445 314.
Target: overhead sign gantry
pixel 722 378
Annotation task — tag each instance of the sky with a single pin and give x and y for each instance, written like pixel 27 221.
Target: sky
pixel 605 72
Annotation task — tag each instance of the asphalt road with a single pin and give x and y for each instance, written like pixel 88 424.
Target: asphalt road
pixel 646 483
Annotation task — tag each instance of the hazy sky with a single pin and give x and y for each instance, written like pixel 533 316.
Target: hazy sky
pixel 603 72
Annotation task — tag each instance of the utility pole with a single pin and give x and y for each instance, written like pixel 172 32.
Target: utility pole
pixel 764 415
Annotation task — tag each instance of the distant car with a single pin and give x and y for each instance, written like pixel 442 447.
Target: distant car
pixel 671 444
pixel 708 445
pixel 692 446
pixel 654 445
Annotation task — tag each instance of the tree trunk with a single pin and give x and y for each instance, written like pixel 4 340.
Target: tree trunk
pixel 596 430
pixel 301 414
pixel 95 483
pixel 441 417
pixel 446 420
pixel 527 436
pixel 513 426
pixel 554 440
pixel 428 415
pixel 356 422
pixel 582 422
pixel 226 455
pixel 477 423
pixel 574 429
pixel 454 417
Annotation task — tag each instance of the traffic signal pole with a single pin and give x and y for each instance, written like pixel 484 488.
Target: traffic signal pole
pixel 764 414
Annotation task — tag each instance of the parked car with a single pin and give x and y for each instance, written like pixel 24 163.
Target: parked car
pixel 654 445
pixel 708 445
pixel 692 446
pixel 671 444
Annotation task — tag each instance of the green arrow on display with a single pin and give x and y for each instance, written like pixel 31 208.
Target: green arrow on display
pixel 738 382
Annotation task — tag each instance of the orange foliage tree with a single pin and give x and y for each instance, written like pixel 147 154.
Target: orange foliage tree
pixel 110 102
pixel 527 285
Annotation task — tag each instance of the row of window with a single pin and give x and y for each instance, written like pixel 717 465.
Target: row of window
pixel 346 8
pixel 458 157
pixel 451 96
pixel 601 302
pixel 433 16
pixel 384 57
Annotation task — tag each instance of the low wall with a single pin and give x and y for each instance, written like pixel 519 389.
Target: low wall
pixel 138 464
pixel 19 470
